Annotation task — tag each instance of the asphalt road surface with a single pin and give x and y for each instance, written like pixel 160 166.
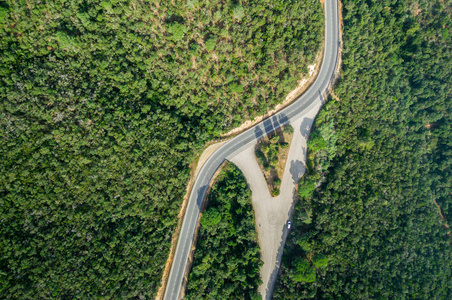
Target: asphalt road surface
pixel 238 143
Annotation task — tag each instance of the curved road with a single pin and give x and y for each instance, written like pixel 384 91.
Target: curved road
pixel 236 144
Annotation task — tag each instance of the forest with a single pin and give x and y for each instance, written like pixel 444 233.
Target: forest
pixel 373 217
pixel 227 258
pixel 104 105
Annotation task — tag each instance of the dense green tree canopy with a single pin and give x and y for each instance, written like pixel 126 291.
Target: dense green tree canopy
pixel 368 221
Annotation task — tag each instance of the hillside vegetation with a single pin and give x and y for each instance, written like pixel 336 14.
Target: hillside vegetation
pixel 103 106
pixel 369 223
pixel 227 258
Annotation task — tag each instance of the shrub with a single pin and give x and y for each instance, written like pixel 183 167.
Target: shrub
pixel 304 271
pixel 210 44
pixel 261 158
pixel 177 30
pixel 288 129
pixel 274 161
pixel 320 260
pixel 305 188
pixel 236 88
pixel 237 12
pixel 275 138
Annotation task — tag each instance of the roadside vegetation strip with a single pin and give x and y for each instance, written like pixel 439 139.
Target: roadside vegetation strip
pixel 271 153
pixel 303 85
pixel 227 257
pixel 377 189
pixel 195 167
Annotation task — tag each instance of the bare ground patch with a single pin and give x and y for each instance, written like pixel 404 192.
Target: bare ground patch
pixel 446 225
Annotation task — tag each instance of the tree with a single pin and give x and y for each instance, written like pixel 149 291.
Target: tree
pixel 304 271
pixel 288 129
pixel 274 138
pixel 320 261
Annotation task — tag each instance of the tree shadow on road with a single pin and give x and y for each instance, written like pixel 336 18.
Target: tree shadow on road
pixel 258 133
pixel 305 127
pixel 297 170
pixel 283 120
pixel 270 125
pixel 201 195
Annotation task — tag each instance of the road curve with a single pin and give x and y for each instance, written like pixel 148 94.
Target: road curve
pixel 186 237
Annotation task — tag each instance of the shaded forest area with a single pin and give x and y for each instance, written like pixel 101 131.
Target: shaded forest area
pixel 103 107
pixel 227 258
pixel 367 225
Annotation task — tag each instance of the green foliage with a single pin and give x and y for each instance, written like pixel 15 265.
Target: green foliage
pixel 320 261
pixel 261 158
pixel 275 192
pixel 177 30
pixel 274 147
pixel 192 3
pixel 316 142
pixel 274 139
pixel 288 129
pixel 64 41
pixel 210 45
pixel 267 153
pixel 103 106
pixel 381 157
pixel 3 13
pixel 227 258
pixel 238 12
pixel 305 188
pixel 210 218
pixel 329 139
pixel 284 145
pixel 305 217
pixel 274 161
pixel 304 271
pixel 303 242
pixel 276 181
pixel 236 88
